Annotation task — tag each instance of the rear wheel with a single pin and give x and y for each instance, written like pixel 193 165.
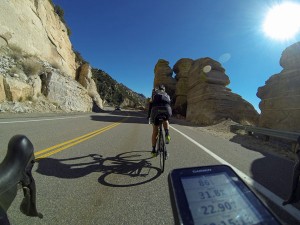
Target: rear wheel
pixel 162 155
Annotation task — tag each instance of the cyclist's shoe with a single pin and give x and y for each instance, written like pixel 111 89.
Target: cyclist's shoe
pixel 168 139
pixel 153 153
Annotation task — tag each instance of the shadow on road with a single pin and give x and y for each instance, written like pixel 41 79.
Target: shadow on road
pixel 124 170
pixel 270 170
pixel 116 116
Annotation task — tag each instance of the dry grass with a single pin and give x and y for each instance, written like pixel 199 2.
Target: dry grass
pixel 31 67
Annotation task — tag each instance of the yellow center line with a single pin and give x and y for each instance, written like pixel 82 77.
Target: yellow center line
pixel 62 146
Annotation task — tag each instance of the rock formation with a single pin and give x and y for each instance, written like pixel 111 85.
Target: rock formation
pixel 85 79
pixel 65 92
pixel 181 69
pixel 163 75
pixel 34 83
pixel 34 27
pixel 280 102
pixel 208 99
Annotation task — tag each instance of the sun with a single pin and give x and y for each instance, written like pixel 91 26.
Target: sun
pixel 282 21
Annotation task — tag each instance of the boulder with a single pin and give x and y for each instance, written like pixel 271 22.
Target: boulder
pixel 85 79
pixel 181 69
pixel 280 104
pixel 36 83
pixel 290 57
pixel 65 92
pixel 16 90
pixel 208 99
pixel 163 75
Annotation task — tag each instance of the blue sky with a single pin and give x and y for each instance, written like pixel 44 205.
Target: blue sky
pixel 125 38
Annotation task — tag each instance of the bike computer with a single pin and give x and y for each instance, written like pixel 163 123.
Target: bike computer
pixel 215 195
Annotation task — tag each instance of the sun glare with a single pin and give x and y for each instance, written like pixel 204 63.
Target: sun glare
pixel 282 22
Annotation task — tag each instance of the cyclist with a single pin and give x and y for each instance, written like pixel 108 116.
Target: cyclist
pixel 160 104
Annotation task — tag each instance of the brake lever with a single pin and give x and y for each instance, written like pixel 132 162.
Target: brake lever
pixel 16 169
pixel 28 204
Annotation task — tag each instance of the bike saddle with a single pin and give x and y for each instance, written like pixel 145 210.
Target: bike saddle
pixel 16 169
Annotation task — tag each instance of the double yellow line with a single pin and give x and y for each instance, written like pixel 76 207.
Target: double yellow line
pixel 60 147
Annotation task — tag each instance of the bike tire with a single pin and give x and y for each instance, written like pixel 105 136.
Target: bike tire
pixel 162 155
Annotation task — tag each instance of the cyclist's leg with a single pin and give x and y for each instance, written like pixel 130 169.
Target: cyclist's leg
pixel 167 135
pixel 154 135
pixel 154 129
pixel 166 124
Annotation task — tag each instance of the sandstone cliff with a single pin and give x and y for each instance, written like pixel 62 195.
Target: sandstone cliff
pixel 34 27
pixel 163 75
pixel 208 99
pixel 181 69
pixel 201 93
pixel 85 79
pixel 28 84
pixel 280 102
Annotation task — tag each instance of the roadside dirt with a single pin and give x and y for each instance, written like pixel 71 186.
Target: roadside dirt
pixel 274 146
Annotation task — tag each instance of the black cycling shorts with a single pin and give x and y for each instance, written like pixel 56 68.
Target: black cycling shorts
pixel 160 112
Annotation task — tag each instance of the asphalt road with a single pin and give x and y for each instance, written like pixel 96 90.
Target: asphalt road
pixel 97 169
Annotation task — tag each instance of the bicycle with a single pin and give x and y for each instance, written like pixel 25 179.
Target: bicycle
pixel 161 145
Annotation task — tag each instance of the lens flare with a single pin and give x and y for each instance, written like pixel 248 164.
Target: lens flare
pixel 207 69
pixel 282 22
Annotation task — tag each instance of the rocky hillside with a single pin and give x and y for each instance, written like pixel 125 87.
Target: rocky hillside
pixel 40 71
pixel 116 94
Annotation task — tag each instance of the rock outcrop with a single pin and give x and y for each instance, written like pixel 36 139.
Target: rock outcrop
pixel 280 102
pixel 163 75
pixel 208 99
pixel 65 92
pixel 181 69
pixel 85 79
pixel 33 27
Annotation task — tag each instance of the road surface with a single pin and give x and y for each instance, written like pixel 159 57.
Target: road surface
pixel 96 168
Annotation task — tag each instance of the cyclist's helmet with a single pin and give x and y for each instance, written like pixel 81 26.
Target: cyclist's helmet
pixel 161 87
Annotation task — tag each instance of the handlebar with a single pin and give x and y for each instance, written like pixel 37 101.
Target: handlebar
pixel 16 169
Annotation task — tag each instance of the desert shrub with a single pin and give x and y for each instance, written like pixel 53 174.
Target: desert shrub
pixel 16 52
pixel 16 49
pixel 60 12
pixel 78 58
pixel 31 67
pixel 14 70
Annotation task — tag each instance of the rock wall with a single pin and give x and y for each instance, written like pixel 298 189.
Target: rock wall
pixel 34 27
pixel 208 99
pixel 85 79
pixel 181 69
pixel 280 96
pixel 65 92
pixel 163 75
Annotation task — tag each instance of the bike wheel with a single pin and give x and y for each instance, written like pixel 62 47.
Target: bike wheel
pixel 162 155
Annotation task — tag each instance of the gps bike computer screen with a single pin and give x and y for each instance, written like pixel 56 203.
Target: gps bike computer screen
pixel 217 196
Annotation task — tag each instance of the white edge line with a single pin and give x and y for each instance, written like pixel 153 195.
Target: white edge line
pixel 270 195
pixel 26 121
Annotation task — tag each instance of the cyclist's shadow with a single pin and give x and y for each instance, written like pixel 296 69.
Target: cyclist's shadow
pixel 128 165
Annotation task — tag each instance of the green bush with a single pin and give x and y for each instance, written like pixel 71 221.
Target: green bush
pixel 60 12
